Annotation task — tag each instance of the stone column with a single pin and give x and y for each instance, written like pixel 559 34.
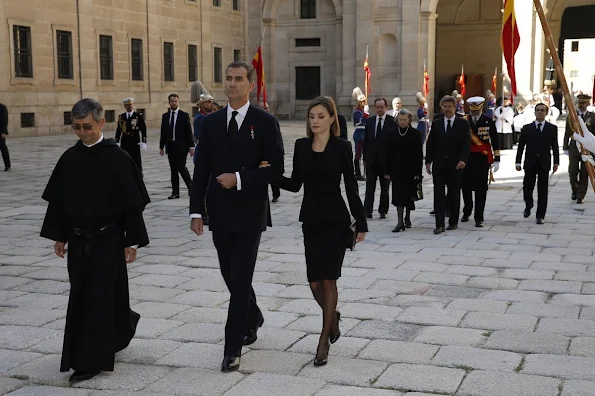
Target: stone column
pixel 427 43
pixel 349 57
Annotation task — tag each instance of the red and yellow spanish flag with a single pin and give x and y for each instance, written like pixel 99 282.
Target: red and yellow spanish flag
pixel 495 81
pixel 258 65
pixel 368 74
pixel 509 41
pixel 426 89
pixel 462 81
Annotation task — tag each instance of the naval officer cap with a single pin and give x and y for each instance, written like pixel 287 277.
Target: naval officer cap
pixel 475 102
pixel 128 101
pixel 584 98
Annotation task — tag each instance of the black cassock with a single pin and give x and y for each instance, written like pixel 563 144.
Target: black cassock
pixel 93 188
pixel 130 132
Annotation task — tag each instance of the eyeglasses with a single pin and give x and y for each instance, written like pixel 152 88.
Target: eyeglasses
pixel 86 127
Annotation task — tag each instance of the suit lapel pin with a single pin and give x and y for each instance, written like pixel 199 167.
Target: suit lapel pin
pixel 252 131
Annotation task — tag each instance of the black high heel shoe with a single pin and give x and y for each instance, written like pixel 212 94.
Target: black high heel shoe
pixel 400 227
pixel 321 362
pixel 335 336
pixel 407 222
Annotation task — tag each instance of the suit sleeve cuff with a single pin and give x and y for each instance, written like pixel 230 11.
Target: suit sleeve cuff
pixel 517 164
pixel 239 183
pixel 195 216
pixel 134 246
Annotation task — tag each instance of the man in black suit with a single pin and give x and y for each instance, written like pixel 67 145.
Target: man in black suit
pixel 342 126
pixel 176 137
pixel 447 152
pixel 3 133
pixel 541 139
pixel 378 129
pixel 233 143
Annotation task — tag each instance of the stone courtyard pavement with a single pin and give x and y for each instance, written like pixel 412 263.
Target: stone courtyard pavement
pixel 507 310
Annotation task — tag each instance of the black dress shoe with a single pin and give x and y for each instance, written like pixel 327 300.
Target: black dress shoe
pixel 369 215
pixel 275 199
pixel 478 224
pixel 452 227
pixel 464 219
pixel 438 230
pixel 580 201
pixel 230 363
pixel 527 213
pixel 7 169
pixel 383 215
pixel 79 375
pixel 335 336
pixel 573 196
pixel 174 196
pixel 539 221
pixel 399 228
pixel 433 212
pixel 251 334
pixel 407 223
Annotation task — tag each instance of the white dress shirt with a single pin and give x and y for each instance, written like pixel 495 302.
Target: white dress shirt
pixel 537 125
pixel 242 111
pixel 452 122
pixel 128 115
pixel 91 145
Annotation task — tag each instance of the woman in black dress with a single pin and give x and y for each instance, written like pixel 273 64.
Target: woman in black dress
pixel 405 163
pixel 319 160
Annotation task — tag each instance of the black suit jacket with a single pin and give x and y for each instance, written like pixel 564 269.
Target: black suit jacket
pixel 539 145
pixel 3 119
pixel 444 149
pixel 376 147
pixel 258 139
pixel 183 130
pixel 323 202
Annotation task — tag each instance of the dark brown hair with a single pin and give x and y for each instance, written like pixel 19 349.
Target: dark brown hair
pixel 329 104
pixel 242 65
pixel 174 95
pixel 448 98
pixel 383 99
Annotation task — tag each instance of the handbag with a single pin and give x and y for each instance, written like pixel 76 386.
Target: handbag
pixel 419 192
pixel 351 236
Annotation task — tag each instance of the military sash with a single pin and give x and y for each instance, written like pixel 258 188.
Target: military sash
pixel 478 145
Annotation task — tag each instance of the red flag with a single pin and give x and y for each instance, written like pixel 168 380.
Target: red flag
pixel 368 74
pixel 258 65
pixel 509 41
pixel 462 82
pixel 495 81
pixel 426 82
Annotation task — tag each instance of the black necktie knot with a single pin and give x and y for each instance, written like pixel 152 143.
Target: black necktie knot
pixel 234 114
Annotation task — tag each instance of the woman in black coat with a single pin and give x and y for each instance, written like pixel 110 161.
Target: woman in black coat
pixel 405 163
pixel 319 161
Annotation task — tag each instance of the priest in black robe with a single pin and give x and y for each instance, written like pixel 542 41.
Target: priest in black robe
pixel 96 198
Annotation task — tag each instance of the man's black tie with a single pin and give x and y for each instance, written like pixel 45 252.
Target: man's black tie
pixel 582 116
pixel 448 126
pixel 539 127
pixel 171 124
pixel 232 129
pixel 378 127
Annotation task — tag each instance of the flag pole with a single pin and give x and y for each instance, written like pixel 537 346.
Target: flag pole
pixel 262 37
pixel 366 76
pixel 571 111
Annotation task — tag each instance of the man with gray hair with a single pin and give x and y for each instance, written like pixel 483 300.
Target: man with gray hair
pixel 396 107
pixel 96 198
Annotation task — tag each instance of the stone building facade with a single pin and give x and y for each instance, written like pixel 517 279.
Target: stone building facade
pixel 147 49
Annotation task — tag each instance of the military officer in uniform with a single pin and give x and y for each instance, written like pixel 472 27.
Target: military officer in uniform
pixel 131 134
pixel 359 121
pixel 577 170
pixel 485 152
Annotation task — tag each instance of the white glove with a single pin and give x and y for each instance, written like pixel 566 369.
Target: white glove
pixel 496 166
pixel 565 152
pixel 118 143
pixel 588 140
pixel 143 146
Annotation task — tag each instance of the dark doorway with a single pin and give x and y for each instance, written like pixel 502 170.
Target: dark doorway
pixel 577 23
